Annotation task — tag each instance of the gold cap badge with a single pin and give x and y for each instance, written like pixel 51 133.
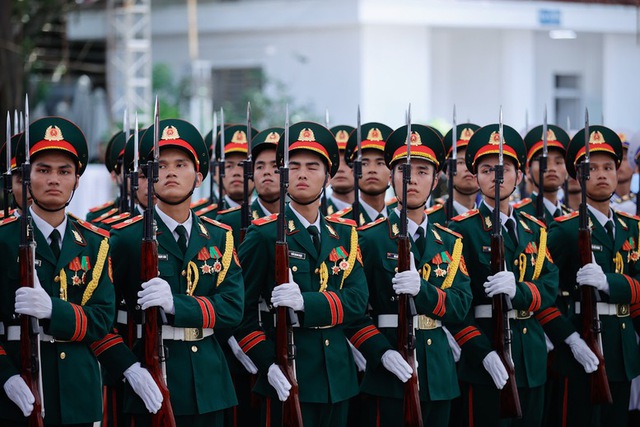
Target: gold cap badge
pixel 53 133
pixel 596 138
pixel 374 135
pixel 306 134
pixel 239 137
pixel 466 134
pixel 342 136
pixel 494 139
pixel 273 137
pixel 170 132
pixel 415 139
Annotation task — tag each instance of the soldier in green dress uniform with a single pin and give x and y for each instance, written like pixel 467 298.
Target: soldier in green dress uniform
pixel 614 273
pixel 73 297
pixel 438 281
pixel 554 177
pixel 623 199
pixel 530 281
pixel 342 182
pixel 199 285
pixel 327 288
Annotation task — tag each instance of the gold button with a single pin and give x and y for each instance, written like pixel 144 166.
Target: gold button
pixel 317 270
pixel 62 355
pixel 395 269
pixel 624 326
pixel 429 341
pixel 326 343
pixel 524 331
pixel 294 268
pixel 56 279
pixel 515 262
pixel 184 273
pixel 194 348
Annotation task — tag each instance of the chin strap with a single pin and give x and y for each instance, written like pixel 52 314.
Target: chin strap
pixel 33 198
pixel 195 181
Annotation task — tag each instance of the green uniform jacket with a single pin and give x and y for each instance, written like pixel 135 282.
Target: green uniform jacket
pixel 619 344
pixel 528 205
pixel 364 216
pixel 475 335
pixel 325 368
pixel 233 218
pixel 70 371
pixel 197 373
pixel 103 211
pixel 445 294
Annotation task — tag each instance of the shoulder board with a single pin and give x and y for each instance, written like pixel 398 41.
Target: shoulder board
pixel 628 215
pixel 91 227
pixel 229 210
pixel 448 230
pixel 9 220
pixel 467 214
pixel 199 203
pixel 563 218
pixel 523 202
pixel 103 206
pixel 206 209
pixel 340 213
pixel 392 201
pixel 337 220
pixel 216 223
pixel 74 216
pixel 533 219
pixel 265 220
pixel 115 218
pixel 433 209
pixel 439 201
pixel 372 224
pixel 128 222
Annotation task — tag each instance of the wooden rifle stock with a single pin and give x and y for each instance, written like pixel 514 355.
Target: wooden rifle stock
pixel 285 347
pixel 407 340
pixel 590 326
pixel 509 398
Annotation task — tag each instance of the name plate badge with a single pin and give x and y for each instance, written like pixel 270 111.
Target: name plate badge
pixel 163 257
pixel 297 255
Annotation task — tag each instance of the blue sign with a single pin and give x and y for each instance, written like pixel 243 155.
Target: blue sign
pixel 549 17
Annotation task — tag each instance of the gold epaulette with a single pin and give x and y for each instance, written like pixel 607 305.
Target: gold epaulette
pixel 371 224
pixel 522 203
pixel 9 219
pixel 103 206
pixel 340 213
pixel 448 230
pixel 226 211
pixel 207 209
pixel 91 227
pixel 533 219
pixel 216 223
pixel 563 218
pixel 467 214
pixel 128 222
pixel 338 220
pixel 116 218
pixel 433 208
pixel 628 215
pixel 265 220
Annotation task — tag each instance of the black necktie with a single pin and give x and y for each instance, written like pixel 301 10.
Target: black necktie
pixel 315 237
pixel 182 238
pixel 609 227
pixel 421 241
pixel 511 230
pixel 55 243
pixel 557 213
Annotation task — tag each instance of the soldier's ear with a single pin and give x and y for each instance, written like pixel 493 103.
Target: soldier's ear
pixel 199 179
pixel 519 180
pixel 77 184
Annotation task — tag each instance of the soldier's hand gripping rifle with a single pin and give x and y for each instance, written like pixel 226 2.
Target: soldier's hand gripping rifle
pixel 247 168
pixel 285 316
pixel 501 304
pixel 412 415
pixel 452 168
pixel 6 177
pixel 29 328
pixel 589 322
pixel 154 317
pixel 357 173
pixel 542 168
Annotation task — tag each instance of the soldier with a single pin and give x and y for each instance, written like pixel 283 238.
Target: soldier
pixel 438 281
pixel 555 175
pixel 614 273
pixel 73 296
pixel 465 187
pixel 530 282
pixel 623 199
pixel 199 286
pixel 327 288
pixel 342 183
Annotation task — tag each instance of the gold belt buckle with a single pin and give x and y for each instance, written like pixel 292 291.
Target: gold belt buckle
pixel 193 334
pixel 426 323
pixel 523 314
pixel 622 310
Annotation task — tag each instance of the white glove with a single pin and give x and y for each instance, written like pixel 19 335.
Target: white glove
pixel 34 301
pixel 582 353
pixel 288 295
pixel 143 384
pixel 279 382
pixel 591 274
pixel 453 345
pixel 503 282
pixel 407 282
pixel 496 369
pixel 156 293
pixel 361 362
pixel 241 356
pixel 19 393
pixel 394 363
pixel 548 342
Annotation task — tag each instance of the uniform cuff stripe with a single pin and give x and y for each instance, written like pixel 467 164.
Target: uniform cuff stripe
pixel 106 343
pixel 441 307
pixel 81 323
pixel 363 334
pixel 466 334
pixel 208 312
pixel 251 340
pixel 535 297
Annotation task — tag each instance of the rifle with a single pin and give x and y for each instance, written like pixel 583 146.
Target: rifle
pixel 357 173
pixel 124 198
pixel 589 321
pixel 509 398
pixel 221 170
pixel 6 177
pixel 406 304
pixel 133 176
pixel 247 168
pixel 29 327
pixel 286 317
pixel 212 160
pixel 323 198
pixel 542 168
pixel 452 167
pixel 154 358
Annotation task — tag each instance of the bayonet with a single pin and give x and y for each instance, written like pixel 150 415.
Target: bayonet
pixel 357 171
pixel 221 166
pixel 542 168
pixel 452 168
pixel 247 167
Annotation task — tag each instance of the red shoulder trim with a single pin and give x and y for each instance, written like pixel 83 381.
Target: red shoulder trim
pixel 371 224
pixel 207 209
pixel 533 219
pixel 229 210
pixel 265 220
pixel 103 206
pixel 216 223
pixel 339 220
pixel 9 219
pixel 128 222
pixel 563 218
pixel 340 213
pixel 522 202
pixel 116 218
pixel 91 227
pixel 448 230
pixel 467 214
pixel 433 208
pixel 628 215
pixel 199 203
